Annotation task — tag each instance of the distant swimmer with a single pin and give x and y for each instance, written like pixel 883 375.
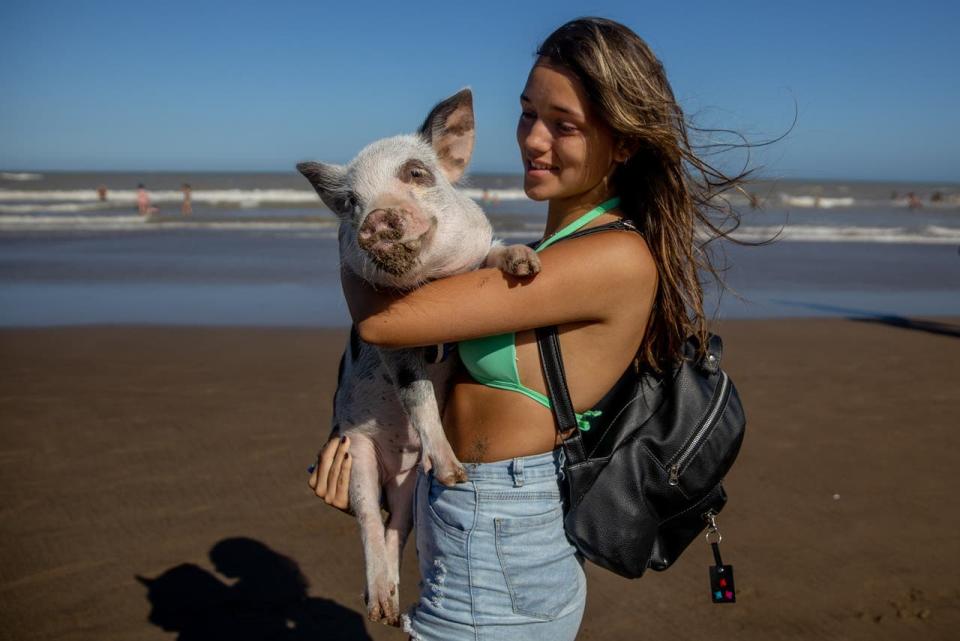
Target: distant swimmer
pixel 187 208
pixel 143 201
pixel 913 201
pixel 102 193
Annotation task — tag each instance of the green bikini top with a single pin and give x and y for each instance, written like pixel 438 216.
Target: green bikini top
pixel 492 360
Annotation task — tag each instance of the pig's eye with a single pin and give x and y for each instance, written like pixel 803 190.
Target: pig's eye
pixel 347 203
pixel 415 172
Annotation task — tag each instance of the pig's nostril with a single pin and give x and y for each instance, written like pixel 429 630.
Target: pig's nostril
pixel 382 221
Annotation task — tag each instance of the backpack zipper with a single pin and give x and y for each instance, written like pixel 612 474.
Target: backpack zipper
pixel 712 415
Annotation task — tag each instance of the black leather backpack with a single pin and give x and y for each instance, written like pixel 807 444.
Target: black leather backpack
pixel 645 479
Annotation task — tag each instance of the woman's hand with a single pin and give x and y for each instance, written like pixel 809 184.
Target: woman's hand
pixel 330 478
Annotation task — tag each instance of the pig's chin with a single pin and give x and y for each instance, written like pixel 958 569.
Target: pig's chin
pixel 399 263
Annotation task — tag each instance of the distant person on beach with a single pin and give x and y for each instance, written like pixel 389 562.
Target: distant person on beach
pixel 604 143
pixel 186 208
pixel 143 201
pixel 913 201
pixel 102 193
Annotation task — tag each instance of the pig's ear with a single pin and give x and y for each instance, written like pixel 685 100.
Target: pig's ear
pixel 450 131
pixel 330 183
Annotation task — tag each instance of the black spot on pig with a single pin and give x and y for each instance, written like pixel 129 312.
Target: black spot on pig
pixel 354 343
pixel 405 377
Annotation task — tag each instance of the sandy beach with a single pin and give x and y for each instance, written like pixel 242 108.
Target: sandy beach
pixel 146 451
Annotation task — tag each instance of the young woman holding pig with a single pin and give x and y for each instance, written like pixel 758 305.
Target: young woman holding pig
pixel 604 142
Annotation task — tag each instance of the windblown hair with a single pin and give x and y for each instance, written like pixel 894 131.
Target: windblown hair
pixel 666 188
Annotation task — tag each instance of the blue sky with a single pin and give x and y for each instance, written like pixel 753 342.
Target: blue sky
pixel 261 85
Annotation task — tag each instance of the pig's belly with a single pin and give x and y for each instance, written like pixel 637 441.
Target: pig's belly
pixel 370 408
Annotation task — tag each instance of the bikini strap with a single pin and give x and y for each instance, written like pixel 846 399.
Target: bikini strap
pixel 617 225
pixel 576 225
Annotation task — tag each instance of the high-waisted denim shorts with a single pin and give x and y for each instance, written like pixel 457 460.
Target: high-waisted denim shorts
pixel 495 562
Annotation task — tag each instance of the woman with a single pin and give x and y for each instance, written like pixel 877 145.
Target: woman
pixel 604 143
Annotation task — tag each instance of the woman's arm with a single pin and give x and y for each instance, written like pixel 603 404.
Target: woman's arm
pixel 582 280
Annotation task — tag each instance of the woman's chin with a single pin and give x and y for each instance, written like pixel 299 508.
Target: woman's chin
pixel 536 191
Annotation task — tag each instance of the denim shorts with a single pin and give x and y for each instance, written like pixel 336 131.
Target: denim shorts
pixel 495 562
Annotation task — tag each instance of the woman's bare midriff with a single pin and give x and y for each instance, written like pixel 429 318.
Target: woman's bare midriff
pixel 486 424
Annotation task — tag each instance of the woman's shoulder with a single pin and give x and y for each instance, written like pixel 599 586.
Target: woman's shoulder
pixel 618 251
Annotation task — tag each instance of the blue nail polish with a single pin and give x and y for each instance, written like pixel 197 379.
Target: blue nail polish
pixel 312 467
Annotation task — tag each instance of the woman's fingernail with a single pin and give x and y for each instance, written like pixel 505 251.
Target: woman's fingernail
pixel 343 439
pixel 312 467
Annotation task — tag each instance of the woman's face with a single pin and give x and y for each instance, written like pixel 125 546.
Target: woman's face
pixel 566 149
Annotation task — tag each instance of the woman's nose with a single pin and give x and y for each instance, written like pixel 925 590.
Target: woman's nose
pixel 536 137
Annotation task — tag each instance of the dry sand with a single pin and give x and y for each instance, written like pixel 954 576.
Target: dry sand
pixel 138 451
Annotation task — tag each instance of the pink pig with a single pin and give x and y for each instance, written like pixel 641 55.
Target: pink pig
pixel 402 223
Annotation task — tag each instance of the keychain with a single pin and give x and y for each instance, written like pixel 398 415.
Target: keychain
pixel 721 576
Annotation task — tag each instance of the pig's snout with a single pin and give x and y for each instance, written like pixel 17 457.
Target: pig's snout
pixel 380 225
pixel 393 238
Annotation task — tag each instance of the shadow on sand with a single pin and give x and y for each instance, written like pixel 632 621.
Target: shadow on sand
pixel 267 601
pixel 864 316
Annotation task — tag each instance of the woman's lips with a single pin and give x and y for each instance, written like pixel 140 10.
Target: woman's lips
pixel 539 168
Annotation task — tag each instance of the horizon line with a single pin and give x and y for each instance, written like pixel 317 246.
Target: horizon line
pixel 759 179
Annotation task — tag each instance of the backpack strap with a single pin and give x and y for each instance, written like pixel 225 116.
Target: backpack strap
pixel 560 404
pixel 552 362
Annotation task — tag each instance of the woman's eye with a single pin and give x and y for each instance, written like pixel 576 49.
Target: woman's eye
pixel 566 127
pixel 527 115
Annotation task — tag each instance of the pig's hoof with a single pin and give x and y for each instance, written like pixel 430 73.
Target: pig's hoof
pixel 451 475
pixel 383 604
pixel 520 260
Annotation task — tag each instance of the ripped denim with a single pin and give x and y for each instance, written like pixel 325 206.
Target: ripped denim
pixel 494 560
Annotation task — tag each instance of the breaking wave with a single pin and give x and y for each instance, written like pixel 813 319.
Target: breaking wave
pixel 19 176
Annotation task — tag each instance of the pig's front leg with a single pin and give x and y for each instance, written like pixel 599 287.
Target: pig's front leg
pixel 516 260
pixel 407 369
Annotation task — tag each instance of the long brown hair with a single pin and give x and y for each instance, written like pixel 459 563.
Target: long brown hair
pixel 665 187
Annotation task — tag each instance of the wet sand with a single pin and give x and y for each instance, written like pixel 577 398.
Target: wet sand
pixel 181 452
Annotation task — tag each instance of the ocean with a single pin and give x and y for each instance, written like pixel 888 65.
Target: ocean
pixel 260 249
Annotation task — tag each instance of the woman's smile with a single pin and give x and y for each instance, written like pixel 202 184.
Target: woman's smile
pixel 539 169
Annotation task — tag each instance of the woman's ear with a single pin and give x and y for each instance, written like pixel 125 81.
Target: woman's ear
pixel 623 150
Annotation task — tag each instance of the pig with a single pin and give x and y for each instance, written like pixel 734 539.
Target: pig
pixel 402 224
